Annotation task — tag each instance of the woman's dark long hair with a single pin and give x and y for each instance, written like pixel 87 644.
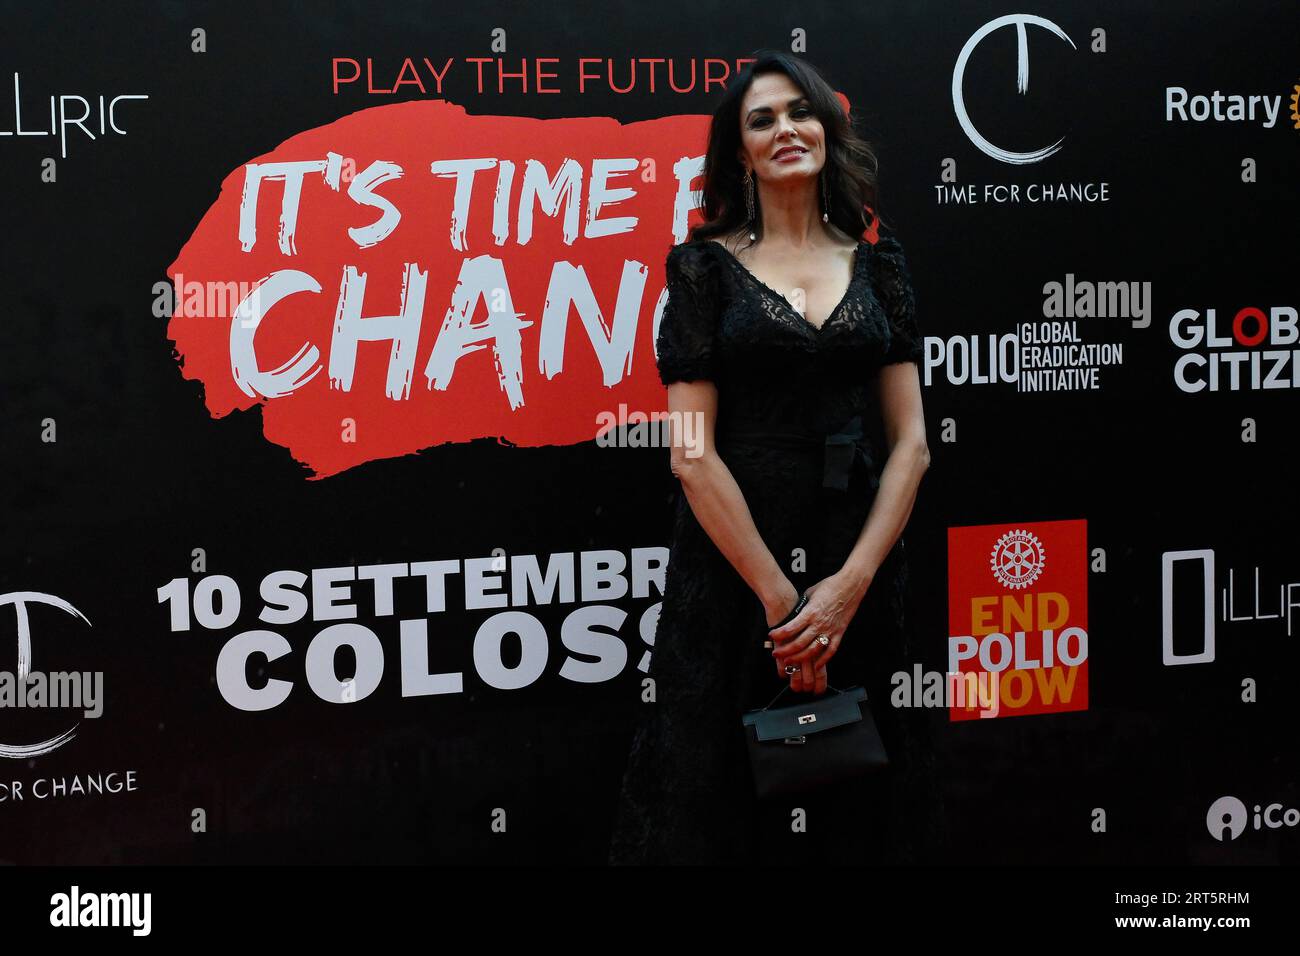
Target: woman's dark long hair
pixel 851 164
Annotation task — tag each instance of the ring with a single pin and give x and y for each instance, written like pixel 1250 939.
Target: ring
pixel 823 640
pixel 790 668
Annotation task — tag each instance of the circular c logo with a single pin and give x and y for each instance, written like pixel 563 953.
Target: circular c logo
pixel 20 599
pixel 1019 21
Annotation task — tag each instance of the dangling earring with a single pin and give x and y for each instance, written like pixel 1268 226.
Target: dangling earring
pixel 826 201
pixel 749 201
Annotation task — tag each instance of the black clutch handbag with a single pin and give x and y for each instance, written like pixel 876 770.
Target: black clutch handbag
pixel 803 746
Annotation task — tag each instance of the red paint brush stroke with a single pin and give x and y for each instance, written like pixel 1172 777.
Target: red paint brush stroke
pixel 561 410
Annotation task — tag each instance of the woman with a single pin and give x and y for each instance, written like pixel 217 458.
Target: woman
pixel 796 352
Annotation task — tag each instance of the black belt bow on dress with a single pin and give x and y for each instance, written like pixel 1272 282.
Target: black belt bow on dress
pixel 841 449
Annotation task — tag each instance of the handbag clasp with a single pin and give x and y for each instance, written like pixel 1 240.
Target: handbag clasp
pixel 807 718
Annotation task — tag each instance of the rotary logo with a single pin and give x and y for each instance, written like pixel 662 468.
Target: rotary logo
pixel 1017 559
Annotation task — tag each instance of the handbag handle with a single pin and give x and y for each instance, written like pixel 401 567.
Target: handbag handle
pixel 787 687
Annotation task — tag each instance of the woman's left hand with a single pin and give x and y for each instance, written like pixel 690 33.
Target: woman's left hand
pixel 832 602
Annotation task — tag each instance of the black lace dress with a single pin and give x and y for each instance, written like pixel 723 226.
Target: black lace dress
pixel 800 430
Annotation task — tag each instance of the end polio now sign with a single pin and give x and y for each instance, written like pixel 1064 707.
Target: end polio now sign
pixel 1018 618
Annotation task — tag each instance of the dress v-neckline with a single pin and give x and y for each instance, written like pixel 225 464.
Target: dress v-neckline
pixel 853 278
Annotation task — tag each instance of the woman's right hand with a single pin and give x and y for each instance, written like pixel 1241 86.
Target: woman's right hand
pixel 784 604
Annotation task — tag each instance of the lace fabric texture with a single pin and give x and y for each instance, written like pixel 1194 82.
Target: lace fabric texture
pixel 783 384
pixel 718 309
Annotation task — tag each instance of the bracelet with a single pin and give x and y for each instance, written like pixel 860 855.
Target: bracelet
pixel 799 605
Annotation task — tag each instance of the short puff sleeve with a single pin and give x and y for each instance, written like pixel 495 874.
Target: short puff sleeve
pixel 686 344
pixel 893 285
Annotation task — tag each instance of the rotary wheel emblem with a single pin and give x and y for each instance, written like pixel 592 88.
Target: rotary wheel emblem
pixel 1017 559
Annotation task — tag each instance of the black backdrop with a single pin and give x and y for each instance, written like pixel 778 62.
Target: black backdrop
pixel 141 474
